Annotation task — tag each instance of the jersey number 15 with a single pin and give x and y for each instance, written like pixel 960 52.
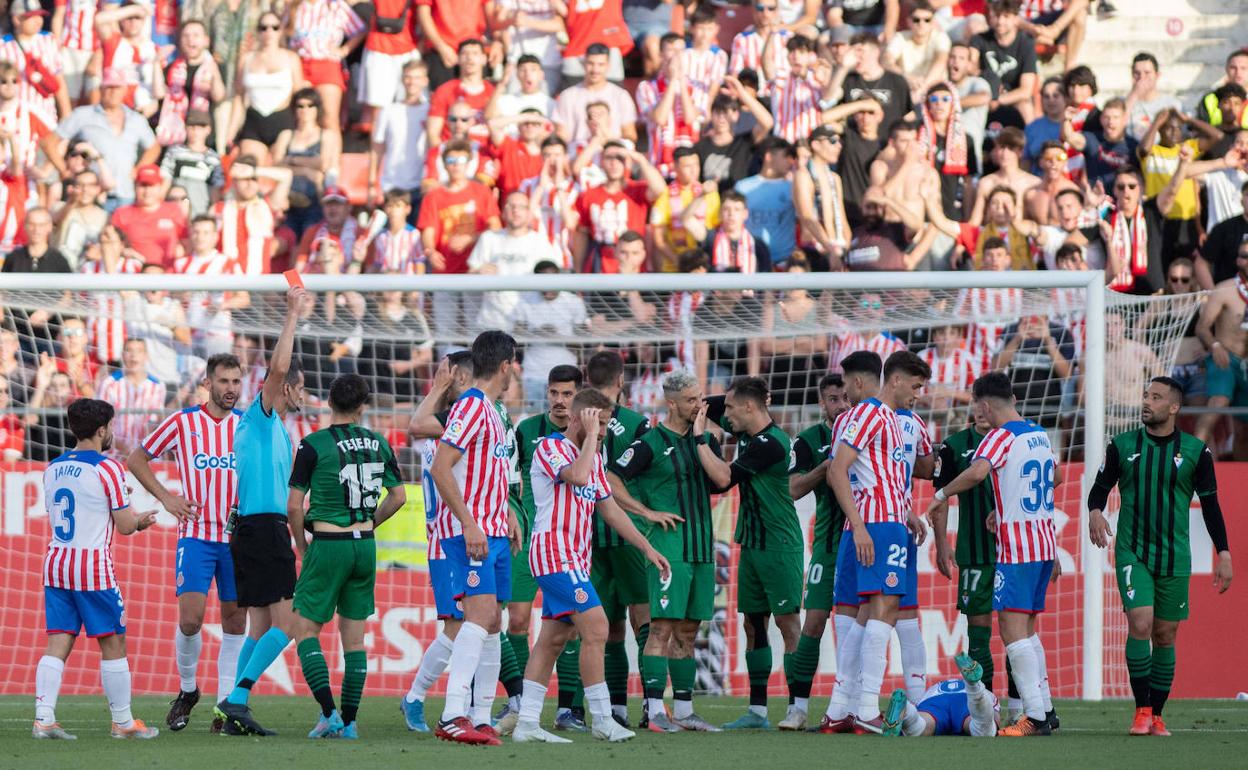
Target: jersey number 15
pixel 363 482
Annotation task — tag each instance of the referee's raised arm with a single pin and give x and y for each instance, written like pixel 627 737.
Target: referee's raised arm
pixel 297 302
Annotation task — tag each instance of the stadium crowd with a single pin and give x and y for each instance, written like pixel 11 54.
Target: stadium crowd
pixel 504 137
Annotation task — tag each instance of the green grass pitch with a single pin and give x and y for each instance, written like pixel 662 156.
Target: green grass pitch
pixel 1207 734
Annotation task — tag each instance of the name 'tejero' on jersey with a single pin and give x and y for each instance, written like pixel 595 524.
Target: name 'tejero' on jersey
pixel 344 468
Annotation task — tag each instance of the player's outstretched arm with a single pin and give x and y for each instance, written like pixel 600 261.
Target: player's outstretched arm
pixel 619 521
pixel 838 479
pixel 128 521
pixel 632 505
pixel 966 480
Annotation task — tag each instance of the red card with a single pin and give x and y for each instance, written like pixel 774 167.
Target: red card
pixel 293 278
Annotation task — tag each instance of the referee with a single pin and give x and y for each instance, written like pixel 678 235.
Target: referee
pixel 1157 468
pixel 264 564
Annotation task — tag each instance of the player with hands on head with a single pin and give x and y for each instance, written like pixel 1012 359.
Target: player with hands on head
pixel 1157 469
pixel 86 497
pixel 569 484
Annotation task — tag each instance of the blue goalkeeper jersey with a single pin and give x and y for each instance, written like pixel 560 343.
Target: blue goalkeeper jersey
pixel 265 457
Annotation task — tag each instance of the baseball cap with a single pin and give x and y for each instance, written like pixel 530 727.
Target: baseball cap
pixel 840 35
pixel 148 174
pixel 24 8
pixel 113 78
pixel 198 118
pixel 334 193
pixel 824 132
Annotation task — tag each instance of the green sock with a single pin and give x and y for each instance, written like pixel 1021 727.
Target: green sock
pixel 805 662
pixel 568 667
pixel 788 673
pixel 354 673
pixel 510 675
pixel 654 675
pixel 643 635
pixel 980 650
pixel 684 672
pixel 1140 670
pixel 316 673
pixel 520 648
pixel 758 666
pixel 615 665
pixel 1162 677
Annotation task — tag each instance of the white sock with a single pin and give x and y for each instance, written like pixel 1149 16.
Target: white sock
pixel 465 655
pixel 485 683
pixel 437 655
pixel 531 702
pixel 187 656
pixel 654 707
pixel 1022 655
pixel 875 638
pixel 760 710
pixel 115 677
pixel 848 661
pixel 598 699
pixel 913 658
pixel 227 663
pixel 912 724
pixel 1016 707
pixel 982 705
pixel 47 688
pixel 682 709
pixel 1045 694
pixel 802 704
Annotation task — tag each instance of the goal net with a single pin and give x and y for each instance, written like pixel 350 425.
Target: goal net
pixel 1079 364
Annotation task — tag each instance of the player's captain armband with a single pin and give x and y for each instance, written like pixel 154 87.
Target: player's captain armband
pixel 454 432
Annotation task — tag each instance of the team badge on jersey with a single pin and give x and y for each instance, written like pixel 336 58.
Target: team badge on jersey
pixel 998 582
pixel 851 430
pixel 580 596
pixel 455 431
pixel 625 458
pixel 891 581
pixel 473 580
pixel 1178 460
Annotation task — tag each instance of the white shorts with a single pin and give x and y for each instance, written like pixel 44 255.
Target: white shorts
pixel 382 82
pixel 74 65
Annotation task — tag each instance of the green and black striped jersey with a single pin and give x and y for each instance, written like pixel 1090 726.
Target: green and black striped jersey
pixel 810 449
pixel 624 427
pixel 1156 478
pixel 343 468
pixel 766 515
pixel 976 544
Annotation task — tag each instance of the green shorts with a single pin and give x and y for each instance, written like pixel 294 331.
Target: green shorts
pixel 820 576
pixel 769 581
pixel 619 576
pixel 523 586
pixel 689 594
pixel 1231 382
pixel 1139 587
pixel 338 575
pixel 975 588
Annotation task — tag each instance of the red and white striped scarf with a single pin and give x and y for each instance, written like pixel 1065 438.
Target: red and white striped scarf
pixel 726 256
pixel 1128 245
pixel 678 131
pixel 1075 161
pixel 955 138
pixel 181 99
pixel 1241 286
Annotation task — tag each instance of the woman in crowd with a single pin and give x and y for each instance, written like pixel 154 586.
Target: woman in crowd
pixel 312 153
pixel 268 78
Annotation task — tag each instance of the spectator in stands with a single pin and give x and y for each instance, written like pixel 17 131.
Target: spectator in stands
pixel 590 25
pixel 666 106
pixel 193 166
pixel 684 194
pixel 12 427
pixel 648 21
pixel 400 347
pixel 869 76
pixel 769 198
pixel 1040 201
pixel 138 397
pixel 1189 360
pixel 876 17
pixel 530 34
pixel 1037 355
pixel 163 326
pixel 863 142
pixel 37 56
pixel 1161 150
pixel 121 136
pixel 269 77
pixel 15 376
pixel 193 82
pixel 323 33
pixel 1069 228
pixel 470 88
pixel 875 243
pixel 48 435
pixel 388 47
pixel 570 106
pixel 1007 156
pixel 953 370
pixel 312 154
pixel 1106 150
pixel 519 158
pixel 338 226
pixel 399 143
pixel 705 63
pixel 1009 54
pixel 1216 262
pixel 514 249
pixel 1145 100
pixel 37 255
pixel 619 312
pixel 80 156
pixel 126 46
pixel 974 95
pixel 249 221
pixel 730 247
pixel 1213 106
pixel 552 199
pixel 947 148
pixel 153 226
pixel 796 96
pixel 605 212
pixel 1048 126
pixel 920 53
pixel 73 26
pixel 1003 220
pixel 444 26
pixel 820 199
pixel 525 85
pixel 556 318
pixel 748 44
pixel 462 123
pixel 1132 232
pixel 1056 22
pixel 72 358
pixel 1222 178
pixel 727 154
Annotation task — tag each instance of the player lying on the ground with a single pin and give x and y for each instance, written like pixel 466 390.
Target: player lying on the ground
pixel 952 707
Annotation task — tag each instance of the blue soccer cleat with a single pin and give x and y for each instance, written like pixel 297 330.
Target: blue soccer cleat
pixel 327 726
pixel 970 669
pixel 349 732
pixel 749 721
pixel 894 714
pixel 414 715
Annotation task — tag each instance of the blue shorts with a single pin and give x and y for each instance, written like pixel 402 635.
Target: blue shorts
pixel 845 589
pixel 1021 587
pixel 947 704
pixel 65 611
pixel 442 581
pixel 199 562
pixel 490 576
pixel 888 575
pixel 566 593
pixel 910 599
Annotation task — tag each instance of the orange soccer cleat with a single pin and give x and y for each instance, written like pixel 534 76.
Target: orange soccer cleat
pixel 1158 728
pixel 1142 724
pixel 1025 727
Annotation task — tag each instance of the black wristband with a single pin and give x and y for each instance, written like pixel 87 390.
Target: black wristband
pixel 700 439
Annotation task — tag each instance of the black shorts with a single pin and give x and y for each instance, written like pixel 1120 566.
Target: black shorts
pixel 265 128
pixel 264 563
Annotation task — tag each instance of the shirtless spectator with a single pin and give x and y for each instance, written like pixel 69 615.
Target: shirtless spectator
pixel 901 170
pixel 1223 331
pixel 1041 200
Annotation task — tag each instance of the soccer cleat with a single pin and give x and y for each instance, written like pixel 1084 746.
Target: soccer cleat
pixel 1158 728
pixel 895 713
pixel 622 721
pixel 568 721
pixel 970 669
pixel 180 709
pixel 460 730
pixel 644 722
pixel 136 730
pixel 489 732
pixel 749 721
pixel 349 732
pixel 1025 727
pixel 695 724
pixel 794 720
pixel 414 715
pixel 874 726
pixel 327 726
pixel 229 728
pixel 608 730
pixel 1142 724
pixel 830 726
pixel 525 733
pixel 54 732
pixel 217 726
pixel 240 716
pixel 1053 720
pixel 661 724
pixel 505 720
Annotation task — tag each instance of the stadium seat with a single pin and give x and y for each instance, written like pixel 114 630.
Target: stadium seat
pixel 353 177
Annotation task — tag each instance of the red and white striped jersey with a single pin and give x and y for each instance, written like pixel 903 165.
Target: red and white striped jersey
pixel 78 32
pixel 1023 479
pixel 320 26
pixel 399 252
pixel 27 129
pixel 1030 10
pixel 795 105
pixel 957 370
pixel 80 492
pixel 246 232
pixel 204 450
pixel 106 329
pixel 679 130
pixel 551 207
pixel 878 476
pixel 994 310
pixel 563 521
pixel 705 71
pixel 47 51
pixel 147 394
pixel 916 442
pixel 214 263
pixel 883 344
pixel 1068 310
pixel 435 509
pixel 475 428
pixel 747 52
pixel 135 58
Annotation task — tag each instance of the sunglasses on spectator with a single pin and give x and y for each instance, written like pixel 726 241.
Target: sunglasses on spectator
pixel 460 118
pixel 761 7
pixel 269 27
pixel 1180 279
pixel 456 160
pixel 73 332
pixel 868 304
pixel 921 19
pixel 940 99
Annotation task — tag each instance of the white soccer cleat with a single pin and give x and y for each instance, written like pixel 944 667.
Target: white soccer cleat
pixel 53 732
pixel 794 720
pixel 611 731
pixel 137 730
pixel 534 734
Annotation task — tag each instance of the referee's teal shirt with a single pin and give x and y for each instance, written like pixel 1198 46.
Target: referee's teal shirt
pixel 265 457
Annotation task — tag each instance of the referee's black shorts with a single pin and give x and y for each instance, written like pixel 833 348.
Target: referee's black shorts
pixel 264 563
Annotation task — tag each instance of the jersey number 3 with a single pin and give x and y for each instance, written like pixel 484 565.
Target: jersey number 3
pixel 1040 479
pixel 363 482
pixel 63 515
